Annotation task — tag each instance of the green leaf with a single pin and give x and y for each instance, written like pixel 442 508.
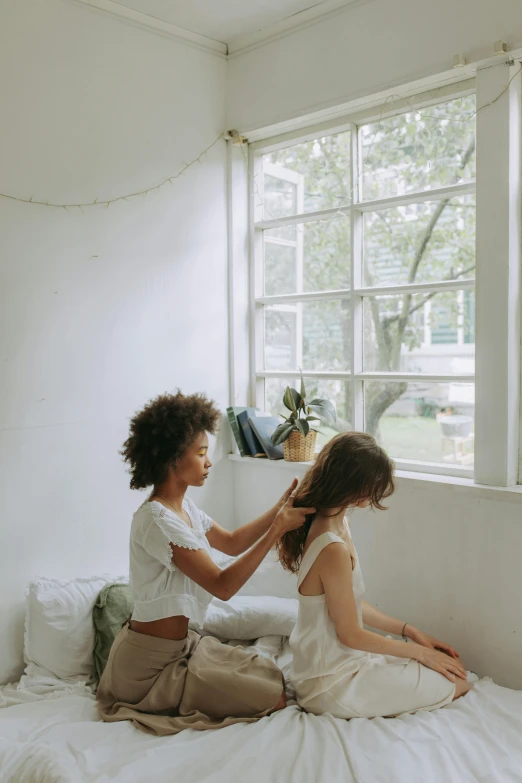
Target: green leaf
pixel 312 418
pixel 292 400
pixel 303 390
pixel 288 400
pixel 281 433
pixel 303 426
pixel 324 409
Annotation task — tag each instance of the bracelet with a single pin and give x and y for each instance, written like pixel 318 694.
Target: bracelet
pixel 403 629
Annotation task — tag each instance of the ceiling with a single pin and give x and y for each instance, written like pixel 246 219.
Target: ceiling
pixel 222 20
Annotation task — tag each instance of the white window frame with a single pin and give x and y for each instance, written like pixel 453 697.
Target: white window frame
pixel 497 339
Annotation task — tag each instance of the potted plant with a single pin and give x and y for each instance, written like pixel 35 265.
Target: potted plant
pixel 295 432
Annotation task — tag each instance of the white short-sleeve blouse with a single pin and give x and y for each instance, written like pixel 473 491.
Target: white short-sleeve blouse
pixel 159 588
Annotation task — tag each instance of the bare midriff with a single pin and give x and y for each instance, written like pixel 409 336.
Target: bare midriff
pixel 173 628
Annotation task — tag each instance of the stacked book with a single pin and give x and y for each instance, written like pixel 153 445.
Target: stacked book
pixel 253 431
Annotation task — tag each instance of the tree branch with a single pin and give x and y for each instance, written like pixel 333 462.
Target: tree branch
pixel 382 337
pixel 403 320
pixel 427 298
pixel 388 393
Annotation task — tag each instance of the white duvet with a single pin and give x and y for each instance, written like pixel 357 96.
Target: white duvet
pixel 52 734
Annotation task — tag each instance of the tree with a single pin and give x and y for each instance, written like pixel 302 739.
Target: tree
pixel 425 242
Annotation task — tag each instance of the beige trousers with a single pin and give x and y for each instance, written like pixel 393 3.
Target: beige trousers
pixel 166 686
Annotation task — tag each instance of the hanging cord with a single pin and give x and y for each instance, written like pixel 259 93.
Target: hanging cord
pixel 235 138
pixel 107 202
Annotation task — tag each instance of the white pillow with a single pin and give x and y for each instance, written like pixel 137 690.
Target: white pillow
pixel 271 579
pixel 59 633
pixel 249 617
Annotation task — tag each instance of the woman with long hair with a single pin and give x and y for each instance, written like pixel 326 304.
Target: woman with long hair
pixel 339 667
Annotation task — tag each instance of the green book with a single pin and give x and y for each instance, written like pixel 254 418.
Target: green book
pixel 232 414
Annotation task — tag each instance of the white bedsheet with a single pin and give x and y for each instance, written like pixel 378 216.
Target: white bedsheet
pixel 58 738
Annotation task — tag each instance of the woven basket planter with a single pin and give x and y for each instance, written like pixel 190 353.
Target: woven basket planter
pixel 297 448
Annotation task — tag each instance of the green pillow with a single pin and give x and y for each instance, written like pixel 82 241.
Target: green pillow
pixel 111 611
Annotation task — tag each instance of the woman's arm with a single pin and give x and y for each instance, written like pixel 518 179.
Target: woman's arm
pixel 198 566
pixel 335 571
pixel 383 622
pixel 238 541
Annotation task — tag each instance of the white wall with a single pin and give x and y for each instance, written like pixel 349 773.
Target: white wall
pixel 445 557
pixel 368 47
pixel 99 310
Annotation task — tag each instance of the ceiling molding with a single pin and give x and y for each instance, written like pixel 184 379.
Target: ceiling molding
pixel 156 25
pixel 298 21
pixel 244 43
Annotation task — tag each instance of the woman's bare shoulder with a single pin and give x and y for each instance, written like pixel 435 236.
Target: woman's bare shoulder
pixel 335 552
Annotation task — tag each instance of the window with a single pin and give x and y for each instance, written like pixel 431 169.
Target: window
pixel 365 262
pixel 367 237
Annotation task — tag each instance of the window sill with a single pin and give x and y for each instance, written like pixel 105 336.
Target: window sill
pixel 299 468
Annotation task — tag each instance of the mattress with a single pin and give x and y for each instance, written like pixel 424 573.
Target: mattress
pixel 53 735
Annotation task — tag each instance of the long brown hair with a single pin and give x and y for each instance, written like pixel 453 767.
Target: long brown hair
pixel 352 467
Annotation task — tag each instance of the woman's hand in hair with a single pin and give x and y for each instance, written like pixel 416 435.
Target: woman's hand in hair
pixel 284 497
pixel 290 518
pixel 430 641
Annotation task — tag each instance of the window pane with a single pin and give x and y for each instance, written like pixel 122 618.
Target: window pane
pixel 311 335
pixel 280 197
pixel 469 317
pixel 338 392
pixel 280 338
pixel 420 243
pixel 435 337
pixel 307 177
pixel 280 268
pixel 307 257
pixel 419 150
pixel 327 343
pixel 430 422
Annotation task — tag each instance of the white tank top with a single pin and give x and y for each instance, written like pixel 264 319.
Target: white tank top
pixel 314 642
pixel 331 678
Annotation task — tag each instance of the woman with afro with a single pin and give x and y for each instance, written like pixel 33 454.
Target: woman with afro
pixel 161 675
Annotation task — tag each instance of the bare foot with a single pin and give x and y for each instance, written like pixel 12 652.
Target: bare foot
pixel 461 688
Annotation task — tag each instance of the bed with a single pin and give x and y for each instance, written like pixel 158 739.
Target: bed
pixel 57 737
pixel 50 731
